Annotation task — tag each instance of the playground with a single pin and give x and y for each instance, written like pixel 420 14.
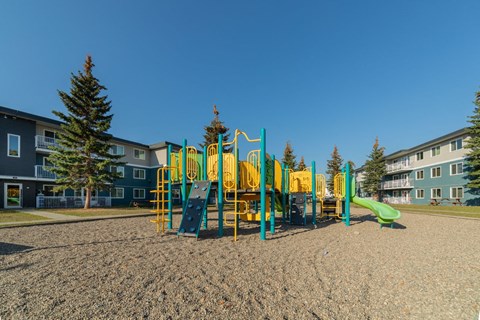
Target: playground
pixel 425 268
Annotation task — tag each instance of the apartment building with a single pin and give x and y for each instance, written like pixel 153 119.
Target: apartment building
pixel 432 172
pixel 25 180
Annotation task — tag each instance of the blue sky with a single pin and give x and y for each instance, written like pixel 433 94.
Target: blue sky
pixel 315 73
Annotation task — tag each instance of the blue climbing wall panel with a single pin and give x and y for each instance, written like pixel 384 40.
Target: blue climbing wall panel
pixel 195 209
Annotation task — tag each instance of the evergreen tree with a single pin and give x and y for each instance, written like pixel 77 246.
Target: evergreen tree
pixel 374 170
pixel 212 131
pixel 82 159
pixel 334 166
pixel 289 159
pixel 473 144
pixel 301 165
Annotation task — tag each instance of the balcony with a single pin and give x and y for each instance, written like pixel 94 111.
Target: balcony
pixel 42 172
pixel 397 184
pixel 398 166
pixel 397 200
pixel 44 143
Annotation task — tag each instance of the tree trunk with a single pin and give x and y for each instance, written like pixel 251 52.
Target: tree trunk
pixel 88 197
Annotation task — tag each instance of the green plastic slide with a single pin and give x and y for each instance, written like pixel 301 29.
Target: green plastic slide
pixel 385 214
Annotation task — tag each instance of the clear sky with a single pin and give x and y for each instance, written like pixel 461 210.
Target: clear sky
pixel 315 73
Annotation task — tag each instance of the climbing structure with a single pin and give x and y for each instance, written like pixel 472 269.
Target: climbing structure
pixel 195 209
pixel 162 201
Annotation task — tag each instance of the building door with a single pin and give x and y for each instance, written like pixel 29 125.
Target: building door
pixel 13 195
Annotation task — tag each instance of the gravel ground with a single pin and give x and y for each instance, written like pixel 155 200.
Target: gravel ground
pixel 426 268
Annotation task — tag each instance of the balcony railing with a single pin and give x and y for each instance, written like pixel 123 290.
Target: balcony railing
pixel 397 184
pixel 398 166
pixel 42 172
pixel 71 202
pixel 397 200
pixel 42 142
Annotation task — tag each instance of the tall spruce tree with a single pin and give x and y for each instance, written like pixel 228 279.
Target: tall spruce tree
pixel 82 159
pixel 212 131
pixel 334 166
pixel 289 158
pixel 374 170
pixel 301 165
pixel 473 144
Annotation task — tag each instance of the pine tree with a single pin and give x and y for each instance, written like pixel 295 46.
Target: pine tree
pixel 374 170
pixel 334 166
pixel 301 165
pixel 289 159
pixel 473 144
pixel 82 159
pixel 212 131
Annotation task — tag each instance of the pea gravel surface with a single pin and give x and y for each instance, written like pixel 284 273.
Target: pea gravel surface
pixel 427 267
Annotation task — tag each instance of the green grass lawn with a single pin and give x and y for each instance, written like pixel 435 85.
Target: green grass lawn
pixel 17 216
pixel 458 211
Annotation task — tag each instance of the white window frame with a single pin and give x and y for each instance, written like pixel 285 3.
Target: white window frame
pixel 437 197
pixel 417 172
pixel 456 188
pixel 453 143
pixel 19 145
pixel 115 197
pixel 433 151
pixel 417 156
pixel 140 152
pixel 456 165
pixel 138 189
pixel 119 169
pixel 417 195
pixel 54 133
pixel 117 153
pixel 439 175
pixel 139 170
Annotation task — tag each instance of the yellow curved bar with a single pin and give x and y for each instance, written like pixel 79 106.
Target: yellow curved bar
pixel 192 164
pixel 321 185
pixel 212 161
pixel 301 181
pixel 339 186
pixel 278 175
pixel 229 172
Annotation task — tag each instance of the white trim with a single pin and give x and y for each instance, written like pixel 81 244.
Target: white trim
pixel 423 174
pixel 416 193
pixel 123 170
pixel 439 151
pixel 463 192
pixel 5 201
pixel 123 193
pixel 54 133
pixel 461 138
pixel 144 174
pixel 25 178
pixel 53 185
pixel 416 156
pixel 144 154
pixel 19 145
pixel 431 193
pixel 456 163
pixel 431 172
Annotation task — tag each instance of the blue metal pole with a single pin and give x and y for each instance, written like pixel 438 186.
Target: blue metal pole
pixel 283 193
pixel 263 187
pixel 169 176
pixel 272 199
pixel 347 194
pixel 314 194
pixel 220 185
pixel 205 216
pixel 184 175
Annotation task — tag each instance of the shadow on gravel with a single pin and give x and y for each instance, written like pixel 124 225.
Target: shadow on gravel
pixel 11 248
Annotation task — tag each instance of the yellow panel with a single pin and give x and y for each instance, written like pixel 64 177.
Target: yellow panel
pixel 301 181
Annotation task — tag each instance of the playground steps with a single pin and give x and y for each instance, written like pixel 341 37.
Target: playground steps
pixel 297 208
pixel 195 209
pixel 252 216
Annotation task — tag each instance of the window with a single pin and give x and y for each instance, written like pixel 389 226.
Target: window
pixel 419 175
pixel 117 150
pixel 119 170
pixel 456 168
pixel 46 162
pixel 456 144
pixel 419 156
pixel 435 151
pixel 139 154
pixel 138 193
pixel 13 148
pixel 436 172
pixel 138 173
pixel 436 193
pixel 420 193
pixel 456 192
pixel 49 191
pixel 117 193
